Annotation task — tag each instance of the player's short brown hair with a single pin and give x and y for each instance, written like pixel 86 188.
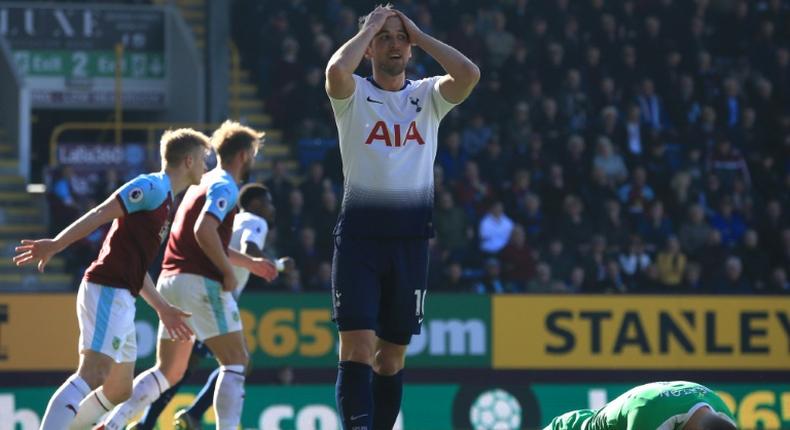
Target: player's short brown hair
pixel 364 18
pixel 175 145
pixel 231 138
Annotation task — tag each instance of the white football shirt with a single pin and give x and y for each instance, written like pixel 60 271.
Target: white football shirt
pixel 247 227
pixel 388 142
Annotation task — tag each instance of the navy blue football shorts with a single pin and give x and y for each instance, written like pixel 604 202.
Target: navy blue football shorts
pixel 380 285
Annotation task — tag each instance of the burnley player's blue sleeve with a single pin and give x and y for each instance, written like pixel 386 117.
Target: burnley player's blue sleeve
pixel 143 193
pixel 220 200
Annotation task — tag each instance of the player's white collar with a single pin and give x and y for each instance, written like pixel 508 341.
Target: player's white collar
pixel 370 79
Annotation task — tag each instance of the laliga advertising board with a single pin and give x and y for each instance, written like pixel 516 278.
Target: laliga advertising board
pixel 430 407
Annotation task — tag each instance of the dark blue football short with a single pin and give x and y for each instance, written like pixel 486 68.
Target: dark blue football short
pixel 380 284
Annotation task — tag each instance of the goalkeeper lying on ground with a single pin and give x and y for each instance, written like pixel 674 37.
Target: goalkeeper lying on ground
pixel 676 405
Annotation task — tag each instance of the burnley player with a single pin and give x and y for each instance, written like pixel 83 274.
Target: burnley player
pixel 197 275
pixel 140 213
pixel 677 405
pixel 387 128
pixel 250 228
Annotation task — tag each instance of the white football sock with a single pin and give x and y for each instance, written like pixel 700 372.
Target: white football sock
pixel 229 396
pixel 92 409
pixel 148 386
pixel 65 403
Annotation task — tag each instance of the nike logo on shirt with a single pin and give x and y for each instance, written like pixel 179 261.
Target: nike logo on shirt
pixel 374 101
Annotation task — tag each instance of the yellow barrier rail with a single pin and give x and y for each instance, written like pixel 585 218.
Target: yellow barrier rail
pixel 151 128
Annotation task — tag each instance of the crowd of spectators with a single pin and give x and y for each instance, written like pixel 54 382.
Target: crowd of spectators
pixel 610 146
pixel 629 146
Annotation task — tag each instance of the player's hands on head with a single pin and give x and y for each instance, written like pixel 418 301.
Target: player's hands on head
pixel 378 17
pixel 414 32
pixel 173 319
pixel 35 251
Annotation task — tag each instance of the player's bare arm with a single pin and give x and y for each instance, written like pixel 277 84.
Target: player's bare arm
pixel 462 73
pixel 260 266
pixel 339 71
pixel 209 241
pixel 40 251
pixel 172 317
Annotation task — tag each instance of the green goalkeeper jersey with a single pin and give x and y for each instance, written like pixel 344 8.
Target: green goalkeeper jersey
pixel 656 406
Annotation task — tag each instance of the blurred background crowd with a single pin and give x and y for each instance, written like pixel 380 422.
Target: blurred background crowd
pixel 610 147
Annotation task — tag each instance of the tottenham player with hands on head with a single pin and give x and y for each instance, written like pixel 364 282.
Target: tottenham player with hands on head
pixel 197 274
pixel 387 128
pixel 140 212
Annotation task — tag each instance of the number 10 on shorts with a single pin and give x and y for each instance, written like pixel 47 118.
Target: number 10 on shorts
pixel 420 305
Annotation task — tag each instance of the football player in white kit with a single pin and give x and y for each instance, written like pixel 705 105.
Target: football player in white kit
pixel 387 128
pixel 250 228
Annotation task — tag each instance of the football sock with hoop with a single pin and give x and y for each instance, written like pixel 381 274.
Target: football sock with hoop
pixel 148 386
pixel 229 396
pixel 92 409
pixel 63 405
pixel 152 412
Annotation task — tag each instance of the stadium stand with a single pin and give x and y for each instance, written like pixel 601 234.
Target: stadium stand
pixel 636 146
pixel 599 125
